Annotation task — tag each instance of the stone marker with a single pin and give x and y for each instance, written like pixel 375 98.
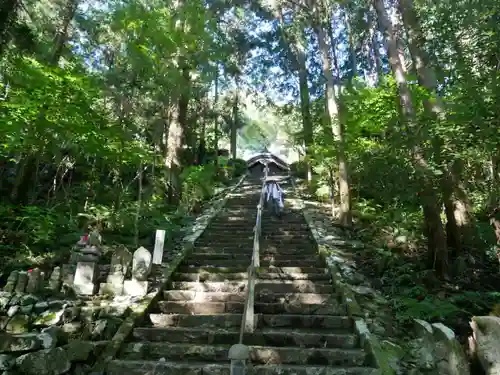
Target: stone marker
pixel 85 276
pixel 10 286
pixel 141 264
pixel 22 280
pixel 114 282
pixel 135 288
pixel 55 279
pixel 34 281
pixel 159 244
pixel 123 257
pixel 68 275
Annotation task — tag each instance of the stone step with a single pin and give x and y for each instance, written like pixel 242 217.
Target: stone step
pixel 221 241
pixel 123 367
pixel 264 263
pixel 246 256
pixel 274 286
pixel 267 227
pixel 339 323
pixel 280 270
pixel 258 354
pixel 305 298
pixel 262 337
pixel 330 307
pixel 264 251
pixel 206 276
pixel 264 247
pixel 301 239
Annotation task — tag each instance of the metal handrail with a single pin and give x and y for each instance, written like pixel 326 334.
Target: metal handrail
pixel 248 318
pixel 239 353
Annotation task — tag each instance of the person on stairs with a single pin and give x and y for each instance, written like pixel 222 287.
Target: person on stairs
pixel 274 197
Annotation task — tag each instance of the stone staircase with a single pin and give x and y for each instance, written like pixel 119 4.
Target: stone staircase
pixel 302 328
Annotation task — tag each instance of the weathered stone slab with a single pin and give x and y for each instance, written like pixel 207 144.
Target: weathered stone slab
pixel 135 288
pixel 141 264
pixel 55 280
pixel 19 323
pixel 85 276
pixel 22 281
pixel 159 244
pixel 53 361
pixel 34 281
pixel 114 283
pixel 485 342
pixel 122 256
pixel 68 276
pixel 10 286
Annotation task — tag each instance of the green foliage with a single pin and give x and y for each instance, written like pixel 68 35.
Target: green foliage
pixel 299 169
pixel 199 183
pixel 238 167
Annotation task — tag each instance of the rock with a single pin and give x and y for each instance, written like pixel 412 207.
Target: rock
pixel 68 275
pixel 114 282
pixel 123 257
pixel 422 354
pixel 22 281
pixel 19 323
pixel 49 317
pixel 55 280
pixel 91 250
pixel 71 313
pixel 78 350
pixel 34 281
pixel 394 352
pixel 5 298
pixel 85 278
pixel 10 286
pixel 141 264
pixel 6 361
pixel 27 309
pixel 40 307
pixel 25 342
pixel 95 238
pixel 114 310
pixel 89 313
pixel 135 288
pixel 73 329
pixel 423 329
pixel 451 358
pixel 486 340
pixel 104 329
pixel 44 362
pixel 28 299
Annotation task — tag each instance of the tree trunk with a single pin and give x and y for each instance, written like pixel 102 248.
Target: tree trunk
pixel 305 104
pixel 8 9
pixel 458 211
pixel 374 47
pixel 67 15
pixel 175 142
pixel 234 124
pixel 437 249
pixel 216 119
pixel 345 214
pixel 352 51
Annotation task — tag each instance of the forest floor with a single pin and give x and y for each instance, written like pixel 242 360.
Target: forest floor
pixel 400 273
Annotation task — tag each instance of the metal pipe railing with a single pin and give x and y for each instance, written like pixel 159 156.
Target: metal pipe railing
pixel 239 353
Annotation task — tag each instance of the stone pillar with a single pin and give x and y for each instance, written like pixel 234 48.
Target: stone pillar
pixel 238 355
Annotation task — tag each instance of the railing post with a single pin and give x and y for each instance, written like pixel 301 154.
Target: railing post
pixel 256 242
pixel 250 312
pixel 238 355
